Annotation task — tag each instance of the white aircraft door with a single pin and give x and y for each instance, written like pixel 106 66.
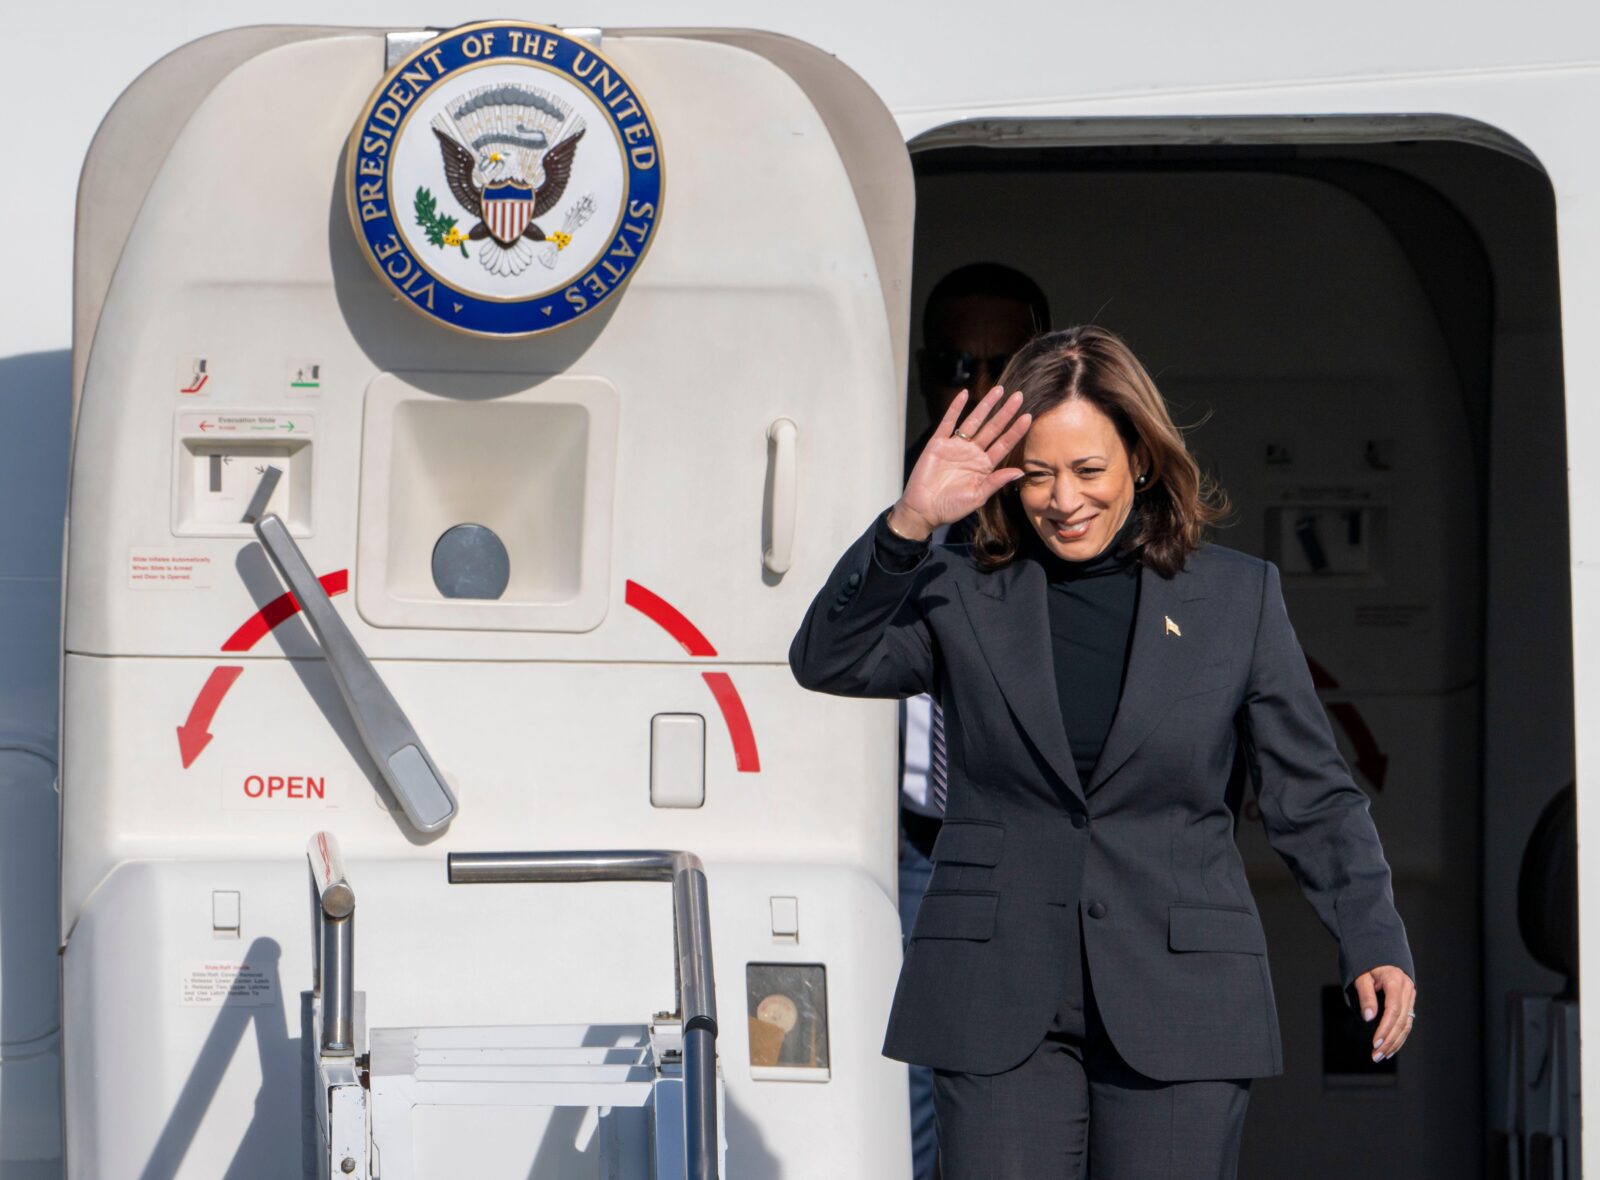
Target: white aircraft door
pixel 669 477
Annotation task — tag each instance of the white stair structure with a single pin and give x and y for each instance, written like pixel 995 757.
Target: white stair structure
pixel 611 1101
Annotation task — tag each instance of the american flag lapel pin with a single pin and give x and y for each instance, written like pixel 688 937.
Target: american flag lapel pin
pixel 1172 628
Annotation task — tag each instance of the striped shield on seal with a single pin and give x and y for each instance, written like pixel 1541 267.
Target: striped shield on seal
pixel 507 209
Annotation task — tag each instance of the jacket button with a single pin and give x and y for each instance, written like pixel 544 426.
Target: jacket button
pixel 853 580
pixel 1097 910
pixel 1079 820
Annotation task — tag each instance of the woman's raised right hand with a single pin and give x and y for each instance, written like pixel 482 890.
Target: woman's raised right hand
pixel 958 470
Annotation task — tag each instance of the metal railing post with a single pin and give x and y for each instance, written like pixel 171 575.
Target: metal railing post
pixel 335 904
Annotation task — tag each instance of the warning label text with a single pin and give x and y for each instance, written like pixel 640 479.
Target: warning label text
pixel 163 569
pixel 216 984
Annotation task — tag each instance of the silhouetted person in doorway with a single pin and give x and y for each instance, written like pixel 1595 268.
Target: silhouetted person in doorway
pixel 975 318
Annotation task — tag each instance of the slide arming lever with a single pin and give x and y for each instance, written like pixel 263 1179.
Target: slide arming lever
pixel 392 743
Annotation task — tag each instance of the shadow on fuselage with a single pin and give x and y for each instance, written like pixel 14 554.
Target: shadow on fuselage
pixel 283 1065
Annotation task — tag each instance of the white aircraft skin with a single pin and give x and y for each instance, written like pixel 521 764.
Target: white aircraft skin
pixel 1524 80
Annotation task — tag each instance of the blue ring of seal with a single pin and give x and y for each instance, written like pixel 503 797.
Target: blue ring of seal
pixel 385 246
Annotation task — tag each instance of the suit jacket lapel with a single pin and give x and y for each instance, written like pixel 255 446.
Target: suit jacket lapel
pixel 1160 665
pixel 1009 616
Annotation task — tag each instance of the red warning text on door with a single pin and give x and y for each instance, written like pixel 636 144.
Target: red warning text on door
pixel 248 789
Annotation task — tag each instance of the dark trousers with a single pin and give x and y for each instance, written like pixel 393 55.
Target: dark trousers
pixel 1074 1110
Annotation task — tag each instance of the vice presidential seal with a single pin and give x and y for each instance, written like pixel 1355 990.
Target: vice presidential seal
pixel 504 179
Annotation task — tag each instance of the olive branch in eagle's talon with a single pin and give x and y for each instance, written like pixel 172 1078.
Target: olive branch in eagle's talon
pixel 440 228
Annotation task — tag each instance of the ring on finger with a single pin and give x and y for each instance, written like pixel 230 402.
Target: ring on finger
pixel 968 437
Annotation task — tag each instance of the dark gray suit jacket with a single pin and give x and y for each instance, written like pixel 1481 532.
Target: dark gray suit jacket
pixel 1217 689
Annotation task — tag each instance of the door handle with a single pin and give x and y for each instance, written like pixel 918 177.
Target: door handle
pixel 782 434
pixel 391 741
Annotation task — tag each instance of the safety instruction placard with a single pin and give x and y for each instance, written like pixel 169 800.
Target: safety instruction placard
pixel 217 983
pixel 257 427
pixel 168 569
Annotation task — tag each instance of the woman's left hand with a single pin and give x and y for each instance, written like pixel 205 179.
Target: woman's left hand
pixel 1399 1001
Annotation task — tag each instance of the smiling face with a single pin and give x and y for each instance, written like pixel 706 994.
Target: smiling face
pixel 1077 484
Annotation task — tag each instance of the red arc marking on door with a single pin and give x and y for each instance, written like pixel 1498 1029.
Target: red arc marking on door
pixel 285 606
pixel 669 618
pixel 1372 762
pixel 193 738
pixel 745 755
pixel 746 758
pixel 194 734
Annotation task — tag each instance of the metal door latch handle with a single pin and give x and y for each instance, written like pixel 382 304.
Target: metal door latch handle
pixel 396 750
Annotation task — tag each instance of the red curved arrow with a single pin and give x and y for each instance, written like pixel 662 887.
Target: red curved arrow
pixel 280 608
pixel 194 734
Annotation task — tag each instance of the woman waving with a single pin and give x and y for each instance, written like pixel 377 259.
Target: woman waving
pixel 1088 973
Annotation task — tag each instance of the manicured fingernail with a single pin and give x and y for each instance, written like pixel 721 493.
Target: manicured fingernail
pixel 1377 1057
pixel 1368 1013
pixel 1378 1044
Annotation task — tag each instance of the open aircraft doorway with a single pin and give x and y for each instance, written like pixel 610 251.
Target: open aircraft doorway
pixel 1359 320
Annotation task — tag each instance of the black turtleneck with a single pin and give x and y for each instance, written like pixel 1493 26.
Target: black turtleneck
pixel 1091 605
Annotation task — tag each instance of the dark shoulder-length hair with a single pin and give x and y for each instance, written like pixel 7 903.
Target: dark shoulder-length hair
pixel 1088 362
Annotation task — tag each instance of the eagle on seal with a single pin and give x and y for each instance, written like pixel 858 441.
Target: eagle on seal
pixel 506 207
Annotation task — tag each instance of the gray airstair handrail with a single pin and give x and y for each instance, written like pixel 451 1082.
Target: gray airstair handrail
pixel 691 916
pixel 396 751
pixel 333 904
